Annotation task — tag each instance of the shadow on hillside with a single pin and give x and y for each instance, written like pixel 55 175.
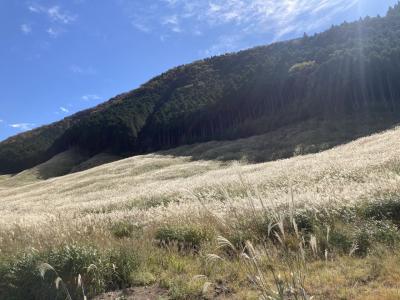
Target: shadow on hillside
pixel 303 138
pixel 308 137
pixel 67 162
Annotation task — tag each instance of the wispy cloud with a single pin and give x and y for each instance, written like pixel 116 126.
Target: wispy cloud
pixel 82 70
pixel 23 126
pixel 58 15
pixel 26 29
pixel 54 33
pixel 244 18
pixel 90 97
pixel 57 19
pixel 34 9
pixel 64 110
pixel 140 26
pixel 224 44
pixel 172 22
pixel 54 13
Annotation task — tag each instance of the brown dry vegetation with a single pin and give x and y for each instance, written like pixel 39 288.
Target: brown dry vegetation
pixel 167 211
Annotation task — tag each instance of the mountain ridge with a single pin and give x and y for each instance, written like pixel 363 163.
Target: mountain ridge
pixel 347 72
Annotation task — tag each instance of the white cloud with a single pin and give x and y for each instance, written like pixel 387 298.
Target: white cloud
pixel 22 126
pixel 214 7
pixel 225 44
pixel 33 9
pixel 64 110
pixel 171 20
pixel 90 97
pixel 26 29
pixel 141 27
pixel 239 19
pixel 1 120
pixel 57 15
pixel 173 23
pixel 54 33
pixel 54 13
pixel 82 70
pixel 268 15
pixel 170 2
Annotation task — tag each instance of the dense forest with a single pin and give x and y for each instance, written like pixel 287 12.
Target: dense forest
pixel 351 71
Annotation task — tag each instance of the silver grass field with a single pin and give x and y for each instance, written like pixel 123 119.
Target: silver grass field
pixel 195 224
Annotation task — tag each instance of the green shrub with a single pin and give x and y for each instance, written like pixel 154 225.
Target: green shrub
pixel 143 278
pixel 306 221
pixel 239 237
pixel 123 263
pixel 183 289
pixel 340 241
pixel 124 229
pixel 24 280
pixel 362 238
pixel 371 233
pixel 21 279
pixel 266 227
pixel 186 238
pixel 382 210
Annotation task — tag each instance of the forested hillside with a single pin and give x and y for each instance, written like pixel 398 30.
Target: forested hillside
pixel 349 74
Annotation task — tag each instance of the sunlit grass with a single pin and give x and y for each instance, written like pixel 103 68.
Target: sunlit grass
pixel 169 210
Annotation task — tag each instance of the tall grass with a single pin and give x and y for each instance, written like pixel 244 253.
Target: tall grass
pixel 276 244
pixel 154 220
pixel 272 253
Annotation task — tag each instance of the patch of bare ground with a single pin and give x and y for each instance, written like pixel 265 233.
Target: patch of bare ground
pixel 136 293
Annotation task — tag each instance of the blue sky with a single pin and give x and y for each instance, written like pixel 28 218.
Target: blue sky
pixel 59 57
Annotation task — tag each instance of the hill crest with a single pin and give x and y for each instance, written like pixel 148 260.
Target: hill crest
pixel 349 72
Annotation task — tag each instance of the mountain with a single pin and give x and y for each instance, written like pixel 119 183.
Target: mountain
pixel 344 83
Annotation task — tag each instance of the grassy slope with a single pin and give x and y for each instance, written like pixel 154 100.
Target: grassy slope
pixel 70 161
pixel 357 170
pixel 158 189
pixel 60 164
pixel 302 138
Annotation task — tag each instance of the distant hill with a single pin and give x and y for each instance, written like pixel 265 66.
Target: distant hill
pixel 344 81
